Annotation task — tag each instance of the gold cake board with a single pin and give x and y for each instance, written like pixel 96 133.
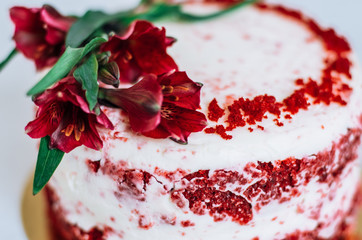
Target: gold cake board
pixel 35 220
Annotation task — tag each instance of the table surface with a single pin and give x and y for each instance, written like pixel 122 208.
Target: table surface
pixel 19 151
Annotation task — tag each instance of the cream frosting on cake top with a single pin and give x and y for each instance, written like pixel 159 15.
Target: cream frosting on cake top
pixel 243 54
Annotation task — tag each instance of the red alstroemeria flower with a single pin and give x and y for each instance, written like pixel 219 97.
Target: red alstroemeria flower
pixel 160 107
pixel 177 123
pixel 40 33
pixel 64 115
pixel 142 102
pixel 179 117
pixel 179 89
pixel 141 51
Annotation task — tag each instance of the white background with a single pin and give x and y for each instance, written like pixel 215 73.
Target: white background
pixel 18 153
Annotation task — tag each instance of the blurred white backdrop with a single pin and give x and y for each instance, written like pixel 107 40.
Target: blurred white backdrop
pixel 18 151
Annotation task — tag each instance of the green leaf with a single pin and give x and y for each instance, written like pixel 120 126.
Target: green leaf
pixel 84 27
pixel 64 65
pixel 8 58
pixel 66 62
pixel 87 74
pixel 48 161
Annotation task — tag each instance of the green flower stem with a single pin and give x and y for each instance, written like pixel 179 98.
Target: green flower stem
pixel 190 17
pixel 101 94
pixel 8 58
pixel 162 10
pixel 92 22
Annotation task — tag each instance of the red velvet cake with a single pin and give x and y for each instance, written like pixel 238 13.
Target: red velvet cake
pixel 278 158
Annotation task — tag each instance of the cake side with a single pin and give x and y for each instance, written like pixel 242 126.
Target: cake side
pixel 314 195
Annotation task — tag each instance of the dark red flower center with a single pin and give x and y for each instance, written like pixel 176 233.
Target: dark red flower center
pixel 167 112
pixel 77 128
pixel 76 124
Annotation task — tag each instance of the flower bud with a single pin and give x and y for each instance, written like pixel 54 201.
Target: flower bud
pixel 109 74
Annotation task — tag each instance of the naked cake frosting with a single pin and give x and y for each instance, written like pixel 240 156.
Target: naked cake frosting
pixel 264 109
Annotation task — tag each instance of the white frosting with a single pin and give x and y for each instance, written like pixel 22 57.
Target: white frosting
pixel 251 67
pixel 244 54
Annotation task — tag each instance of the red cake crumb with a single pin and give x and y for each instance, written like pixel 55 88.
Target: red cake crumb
pixel 202 190
pixel 295 102
pixel 220 204
pixel 130 181
pixel 254 110
pixel 288 116
pixel 93 165
pixel 167 220
pixel 278 123
pixel 340 65
pixel 331 89
pixel 204 195
pixel 219 129
pixel 215 111
pixel 187 223
pixel 299 81
pixel 331 40
pixel 170 175
pixel 143 223
pixel 198 174
pixel 279 179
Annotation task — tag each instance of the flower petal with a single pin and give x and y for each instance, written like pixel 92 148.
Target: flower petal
pixel 25 19
pixel 103 120
pixel 46 122
pixel 180 90
pixel 32 45
pixel 140 51
pixel 152 45
pixel 62 142
pixel 91 137
pixel 54 36
pixel 128 68
pixel 191 121
pixel 66 90
pixel 178 123
pixel 64 116
pixel 158 132
pixel 54 19
pixel 142 102
pixel 76 128
pixel 40 33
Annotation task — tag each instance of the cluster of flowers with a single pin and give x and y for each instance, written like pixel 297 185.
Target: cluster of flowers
pixel 161 103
